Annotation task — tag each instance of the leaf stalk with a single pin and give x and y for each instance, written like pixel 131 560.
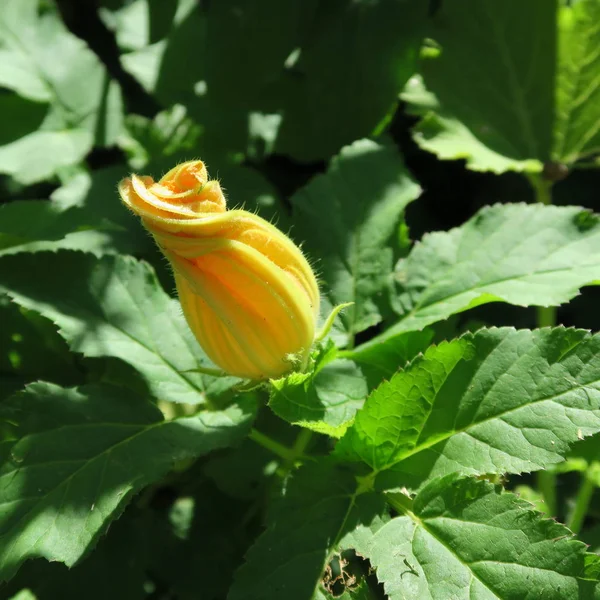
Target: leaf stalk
pixel 582 502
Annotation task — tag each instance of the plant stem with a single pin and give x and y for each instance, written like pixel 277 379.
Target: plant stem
pixel 542 189
pixel 297 452
pixel 546 484
pixel 289 456
pixel 302 442
pixel 584 495
pixel 272 445
pixel 546 317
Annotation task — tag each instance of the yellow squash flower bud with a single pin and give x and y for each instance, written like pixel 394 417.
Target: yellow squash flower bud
pixel 247 292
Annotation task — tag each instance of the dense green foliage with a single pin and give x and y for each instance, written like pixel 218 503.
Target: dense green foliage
pixel 437 164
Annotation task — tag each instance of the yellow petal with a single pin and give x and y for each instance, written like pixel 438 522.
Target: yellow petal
pixel 247 291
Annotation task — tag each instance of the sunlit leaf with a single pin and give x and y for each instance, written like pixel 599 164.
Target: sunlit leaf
pixel 42 61
pixel 494 401
pixel 113 307
pixel 349 219
pixel 466 539
pixel 521 254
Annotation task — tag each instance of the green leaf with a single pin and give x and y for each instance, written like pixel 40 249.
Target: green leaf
pixel 349 219
pixel 217 89
pixel 40 154
pixel 534 497
pixel 360 592
pixel 521 254
pixel 25 116
pixel 24 594
pixel 379 360
pixel 95 194
pixel 321 504
pixel 466 539
pixel 170 132
pixel 153 548
pixel 122 553
pixel 81 455
pixel 325 399
pixel 577 127
pixel 311 64
pixel 342 81
pixel 494 401
pixel 449 138
pixel 493 82
pixel 30 348
pixel 114 307
pixel 142 22
pixel 42 61
pixel 37 225
pixel 510 86
pixel 250 470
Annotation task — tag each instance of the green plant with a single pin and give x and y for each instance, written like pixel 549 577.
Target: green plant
pixel 437 438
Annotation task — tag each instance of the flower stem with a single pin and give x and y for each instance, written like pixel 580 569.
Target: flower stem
pixel 582 502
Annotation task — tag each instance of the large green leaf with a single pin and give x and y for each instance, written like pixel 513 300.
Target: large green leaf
pixel 379 361
pixel 320 506
pixel 322 75
pixel 343 79
pixel 349 220
pixel 176 548
pixel 86 212
pixel 494 401
pixel 521 254
pixel 465 539
pixel 217 88
pixel 577 128
pixel 123 553
pixel 40 60
pixel 95 194
pixel 37 225
pixel 493 82
pixel 113 307
pixel 40 154
pixel 80 457
pixel 510 85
